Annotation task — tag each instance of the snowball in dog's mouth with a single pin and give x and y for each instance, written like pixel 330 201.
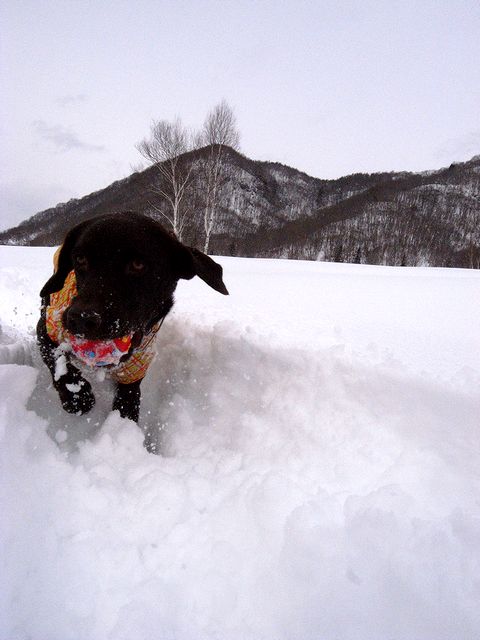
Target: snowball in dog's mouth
pixel 101 353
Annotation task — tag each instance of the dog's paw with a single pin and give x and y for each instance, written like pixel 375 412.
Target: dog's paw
pixel 127 400
pixel 76 394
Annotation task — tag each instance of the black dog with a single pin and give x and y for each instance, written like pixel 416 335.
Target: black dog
pixel 115 279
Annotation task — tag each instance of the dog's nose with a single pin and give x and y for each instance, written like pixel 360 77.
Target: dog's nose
pixel 82 321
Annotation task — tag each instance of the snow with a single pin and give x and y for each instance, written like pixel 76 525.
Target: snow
pixel 318 473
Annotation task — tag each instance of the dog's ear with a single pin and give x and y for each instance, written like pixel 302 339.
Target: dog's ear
pixel 63 260
pixel 192 262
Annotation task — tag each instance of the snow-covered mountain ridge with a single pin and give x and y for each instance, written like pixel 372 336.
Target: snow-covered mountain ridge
pixel 270 210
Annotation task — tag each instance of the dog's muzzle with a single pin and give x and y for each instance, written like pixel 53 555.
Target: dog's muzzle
pixel 81 322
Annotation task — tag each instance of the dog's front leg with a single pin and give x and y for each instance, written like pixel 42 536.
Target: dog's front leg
pixel 74 391
pixel 127 400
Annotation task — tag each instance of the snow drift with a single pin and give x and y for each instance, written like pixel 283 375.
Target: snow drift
pixel 318 471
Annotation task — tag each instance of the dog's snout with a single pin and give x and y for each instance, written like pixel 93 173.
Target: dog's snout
pixel 81 321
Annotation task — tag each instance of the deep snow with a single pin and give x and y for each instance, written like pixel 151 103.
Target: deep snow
pixel 319 475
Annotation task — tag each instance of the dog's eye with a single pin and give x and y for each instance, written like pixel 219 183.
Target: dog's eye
pixel 81 262
pixel 135 266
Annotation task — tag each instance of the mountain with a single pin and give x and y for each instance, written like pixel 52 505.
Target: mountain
pixel 267 209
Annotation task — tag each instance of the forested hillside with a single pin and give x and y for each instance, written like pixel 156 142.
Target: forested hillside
pixel 266 209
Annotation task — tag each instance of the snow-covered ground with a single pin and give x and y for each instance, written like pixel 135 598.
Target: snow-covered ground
pixel 319 474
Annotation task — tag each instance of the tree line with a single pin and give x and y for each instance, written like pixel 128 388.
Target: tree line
pixel 164 149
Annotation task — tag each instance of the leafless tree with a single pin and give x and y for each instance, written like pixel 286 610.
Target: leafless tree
pixel 163 149
pixel 219 131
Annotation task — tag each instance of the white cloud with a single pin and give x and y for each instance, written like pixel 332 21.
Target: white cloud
pixel 71 99
pixel 63 139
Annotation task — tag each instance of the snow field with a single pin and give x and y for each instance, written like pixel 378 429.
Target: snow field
pixel 318 475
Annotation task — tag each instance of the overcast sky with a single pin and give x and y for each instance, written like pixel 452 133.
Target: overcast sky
pixel 329 87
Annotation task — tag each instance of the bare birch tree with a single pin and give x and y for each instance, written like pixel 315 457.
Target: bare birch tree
pixel 167 142
pixel 219 131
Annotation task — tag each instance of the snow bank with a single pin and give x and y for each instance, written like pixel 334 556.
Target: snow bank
pixel 318 475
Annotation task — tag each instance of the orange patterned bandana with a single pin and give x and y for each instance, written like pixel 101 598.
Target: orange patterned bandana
pixel 100 353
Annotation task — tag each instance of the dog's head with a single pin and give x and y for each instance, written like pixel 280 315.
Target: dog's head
pixel 127 267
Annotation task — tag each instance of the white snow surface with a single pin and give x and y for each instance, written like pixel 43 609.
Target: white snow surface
pixel 318 476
